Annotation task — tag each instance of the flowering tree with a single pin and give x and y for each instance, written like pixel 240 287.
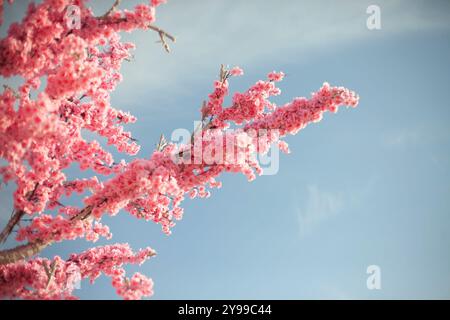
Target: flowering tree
pixel 69 60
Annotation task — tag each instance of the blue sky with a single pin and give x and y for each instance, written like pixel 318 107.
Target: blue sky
pixel 366 186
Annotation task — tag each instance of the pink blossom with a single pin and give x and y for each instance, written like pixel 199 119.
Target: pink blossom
pixel 56 279
pixel 283 146
pixel 41 137
pixel 236 71
pixel 275 76
pixel 156 3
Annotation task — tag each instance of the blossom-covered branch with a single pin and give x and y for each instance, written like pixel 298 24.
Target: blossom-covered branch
pixel 41 137
pixel 159 184
pixel 41 278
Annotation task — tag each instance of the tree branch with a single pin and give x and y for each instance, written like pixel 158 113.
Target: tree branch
pixel 111 10
pixel 50 272
pixel 15 218
pixel 22 252
pixel 30 249
pixel 162 35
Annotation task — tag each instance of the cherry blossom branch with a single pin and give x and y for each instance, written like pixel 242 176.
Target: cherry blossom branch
pixel 50 272
pixel 22 252
pixel 42 278
pixel 301 111
pixel 15 219
pixel 162 35
pixel 41 137
pixel 32 248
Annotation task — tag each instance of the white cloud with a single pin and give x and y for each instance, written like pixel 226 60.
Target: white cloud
pixel 416 135
pixel 320 206
pixel 255 33
pixel 249 33
pixel 401 138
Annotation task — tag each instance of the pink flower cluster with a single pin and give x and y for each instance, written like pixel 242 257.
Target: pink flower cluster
pixel 249 105
pixel 135 288
pixel 41 137
pixel 275 76
pixel 56 279
pixel 153 189
pixel 293 116
pixel 59 228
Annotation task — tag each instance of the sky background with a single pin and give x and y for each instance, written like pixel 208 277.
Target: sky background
pixel 365 186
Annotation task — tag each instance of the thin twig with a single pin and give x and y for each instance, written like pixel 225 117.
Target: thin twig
pixel 50 272
pixel 111 10
pixel 162 143
pixel 162 35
